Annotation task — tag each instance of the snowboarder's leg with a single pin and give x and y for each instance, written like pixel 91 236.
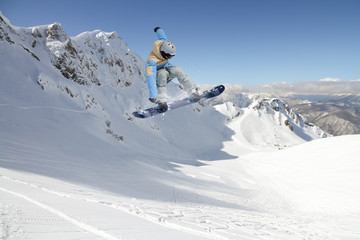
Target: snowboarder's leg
pixel 161 81
pixel 184 79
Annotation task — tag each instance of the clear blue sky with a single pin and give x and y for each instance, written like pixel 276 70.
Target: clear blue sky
pixel 246 42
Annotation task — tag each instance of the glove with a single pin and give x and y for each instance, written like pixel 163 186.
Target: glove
pixel 153 100
pixel 163 106
pixel 155 29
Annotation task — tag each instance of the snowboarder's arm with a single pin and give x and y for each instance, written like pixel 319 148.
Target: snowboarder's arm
pixel 151 79
pixel 160 33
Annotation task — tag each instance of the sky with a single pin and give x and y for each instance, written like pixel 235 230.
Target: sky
pixel 248 42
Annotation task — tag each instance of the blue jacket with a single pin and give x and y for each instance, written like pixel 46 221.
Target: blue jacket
pixel 155 62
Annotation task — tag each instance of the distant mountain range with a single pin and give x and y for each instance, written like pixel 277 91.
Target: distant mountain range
pixel 336 114
pixel 332 104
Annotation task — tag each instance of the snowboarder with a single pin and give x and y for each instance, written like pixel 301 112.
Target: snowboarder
pixel 159 71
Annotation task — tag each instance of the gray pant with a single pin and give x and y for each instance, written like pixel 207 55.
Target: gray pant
pixel 165 75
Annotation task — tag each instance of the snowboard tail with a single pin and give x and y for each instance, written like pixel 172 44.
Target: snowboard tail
pixel 214 92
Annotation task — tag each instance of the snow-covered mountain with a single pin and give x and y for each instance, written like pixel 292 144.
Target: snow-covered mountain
pixel 102 76
pixel 74 162
pixel 331 104
pixel 337 114
pixel 269 122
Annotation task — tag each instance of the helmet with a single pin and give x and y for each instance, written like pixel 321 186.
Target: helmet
pixel 167 49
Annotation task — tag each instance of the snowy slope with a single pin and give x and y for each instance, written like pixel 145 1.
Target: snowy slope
pixel 309 191
pixel 74 163
pixel 269 122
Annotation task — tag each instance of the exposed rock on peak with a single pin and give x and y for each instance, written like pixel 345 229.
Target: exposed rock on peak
pixel 55 32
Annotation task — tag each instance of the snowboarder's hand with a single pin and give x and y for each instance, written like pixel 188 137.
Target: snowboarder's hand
pixel 157 28
pixel 153 100
pixel 163 106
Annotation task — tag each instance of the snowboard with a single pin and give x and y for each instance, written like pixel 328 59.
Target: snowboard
pixel 216 91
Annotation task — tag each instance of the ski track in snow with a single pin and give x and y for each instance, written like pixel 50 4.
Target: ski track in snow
pixel 60 214
pixel 163 219
pixel 54 211
pixel 210 222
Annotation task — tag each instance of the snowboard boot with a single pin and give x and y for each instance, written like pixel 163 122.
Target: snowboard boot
pixel 195 95
pixel 163 106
